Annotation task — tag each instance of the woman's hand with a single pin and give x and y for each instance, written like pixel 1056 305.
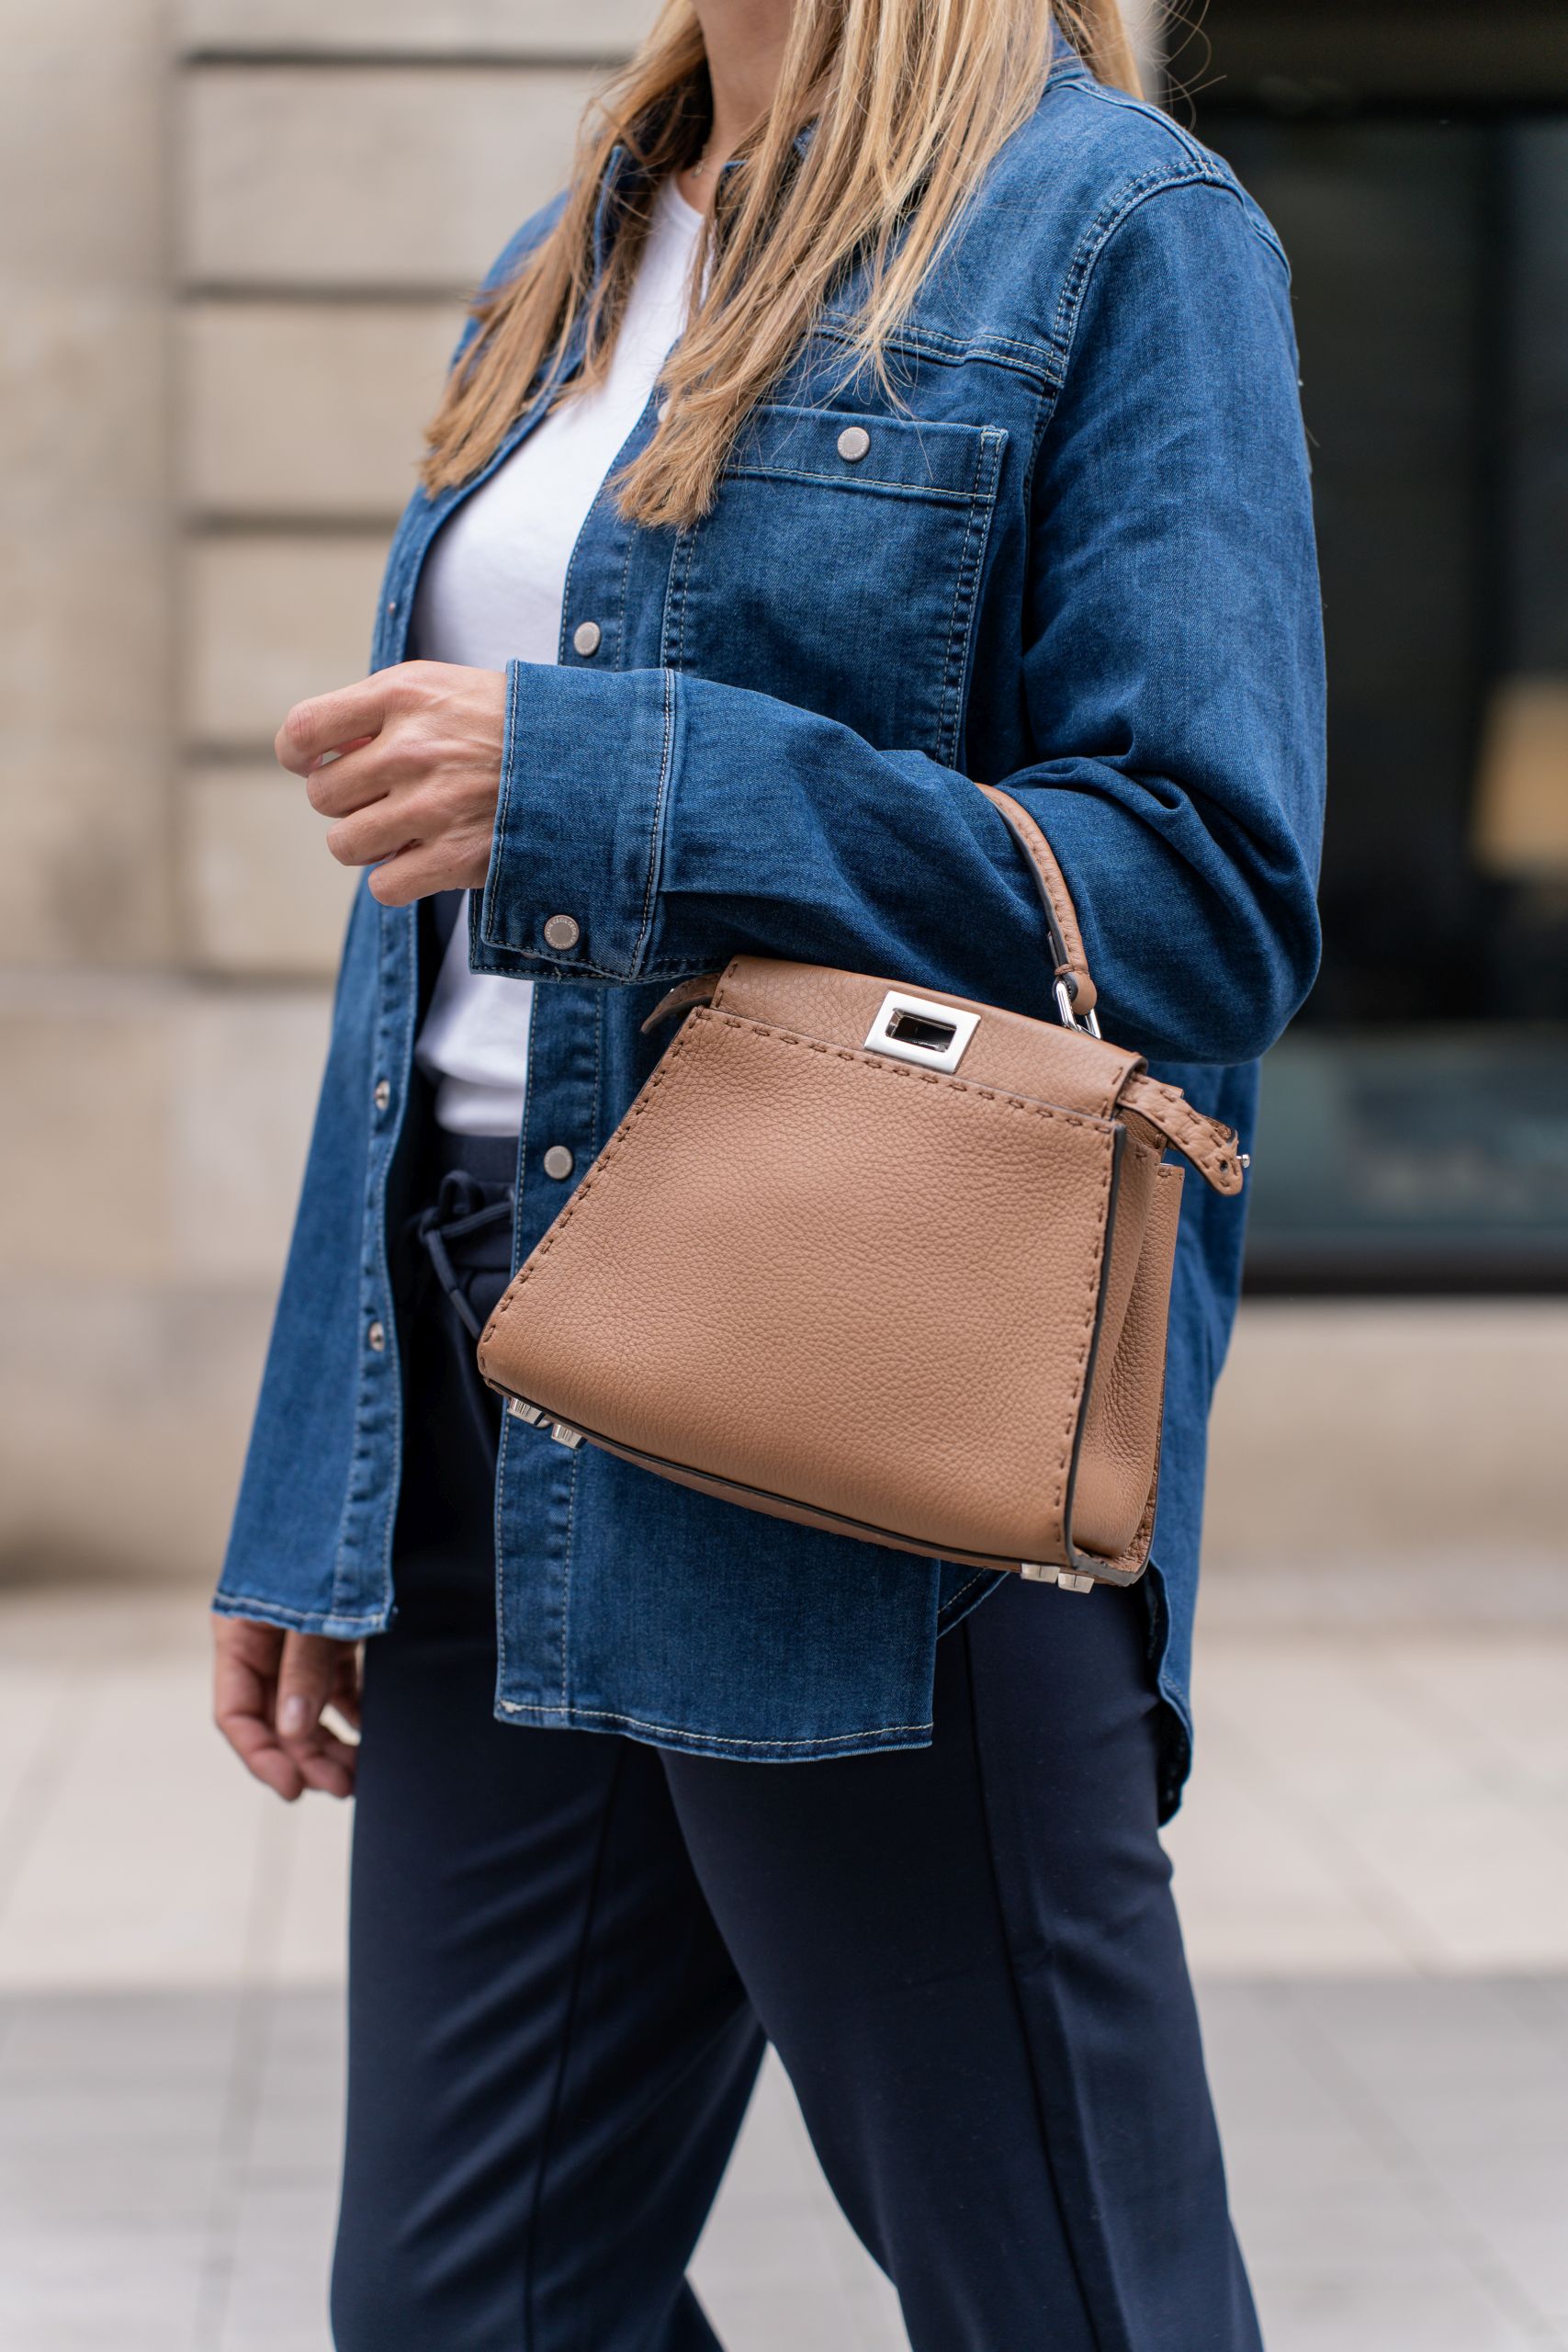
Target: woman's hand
pixel 409 763
pixel 269 1692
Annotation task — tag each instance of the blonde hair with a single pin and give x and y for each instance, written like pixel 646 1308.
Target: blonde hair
pixel 910 101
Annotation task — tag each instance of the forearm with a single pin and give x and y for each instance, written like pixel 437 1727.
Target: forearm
pixel 679 822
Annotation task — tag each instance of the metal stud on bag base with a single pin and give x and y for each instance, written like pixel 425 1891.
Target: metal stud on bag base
pixel 1032 1571
pixel 1065 1579
pixel 536 1417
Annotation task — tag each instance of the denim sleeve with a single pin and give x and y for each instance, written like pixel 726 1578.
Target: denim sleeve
pixel 1172 674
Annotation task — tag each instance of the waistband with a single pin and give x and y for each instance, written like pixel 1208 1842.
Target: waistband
pixel 489 1159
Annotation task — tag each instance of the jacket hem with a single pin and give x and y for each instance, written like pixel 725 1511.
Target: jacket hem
pixel 1175 1726
pixel 699 1743
pixel 335 1624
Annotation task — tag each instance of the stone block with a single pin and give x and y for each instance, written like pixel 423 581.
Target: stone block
pixel 308 409
pixel 150 1162
pixel 271 620
pixel 368 179
pixel 84 877
pixel 156 1130
pixel 124 1410
pixel 247 1070
pixel 82 591
pixel 85 1074
pixel 419 27
pixel 80 161
pixel 265 897
pixel 1350 1435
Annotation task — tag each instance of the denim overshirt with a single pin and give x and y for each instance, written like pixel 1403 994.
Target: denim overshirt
pixel 1076 557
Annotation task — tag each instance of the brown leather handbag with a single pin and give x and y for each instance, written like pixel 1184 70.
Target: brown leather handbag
pixel 882 1262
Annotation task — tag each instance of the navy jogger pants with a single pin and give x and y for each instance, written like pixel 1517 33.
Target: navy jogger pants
pixel 568 1951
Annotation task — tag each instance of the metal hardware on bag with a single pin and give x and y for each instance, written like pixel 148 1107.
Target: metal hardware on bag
pixel 914 1029
pixel 565 1435
pixel 1089 1022
pixel 1037 1572
pixel 1067 1582
pixel 520 1411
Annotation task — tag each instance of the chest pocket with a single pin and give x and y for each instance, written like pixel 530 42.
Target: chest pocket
pixel 840 567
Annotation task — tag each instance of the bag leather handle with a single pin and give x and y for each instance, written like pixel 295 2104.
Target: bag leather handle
pixel 1212 1148
pixel 1072 972
pixel 1076 994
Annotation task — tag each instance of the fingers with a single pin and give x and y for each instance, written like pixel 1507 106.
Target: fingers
pixel 408 764
pixel 269 1689
pixel 457 861
pixel 345 1693
pixel 351 714
pixel 307 1677
pixel 245 1681
pixel 415 846
pixel 372 834
pixel 347 779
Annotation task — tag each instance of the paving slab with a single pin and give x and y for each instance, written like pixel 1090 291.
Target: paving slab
pixel 1398 2156
pixel 1372 1868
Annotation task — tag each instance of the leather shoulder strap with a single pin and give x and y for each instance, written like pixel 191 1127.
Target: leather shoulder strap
pixel 1067 940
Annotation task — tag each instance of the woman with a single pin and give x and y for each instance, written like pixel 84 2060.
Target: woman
pixel 892 400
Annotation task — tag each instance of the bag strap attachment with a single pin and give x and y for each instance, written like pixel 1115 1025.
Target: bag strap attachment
pixel 1075 991
pixel 1213 1149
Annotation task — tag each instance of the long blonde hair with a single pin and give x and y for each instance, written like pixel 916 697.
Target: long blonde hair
pixel 910 100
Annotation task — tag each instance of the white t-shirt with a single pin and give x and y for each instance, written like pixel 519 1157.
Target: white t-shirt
pixel 491 593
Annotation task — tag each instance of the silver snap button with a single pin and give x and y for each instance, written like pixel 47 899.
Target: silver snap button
pixel 376 1337
pixel 853 442
pixel 393 609
pixel 587 636
pixel 662 411
pixel 562 930
pixel 382 1095
pixel 559 1163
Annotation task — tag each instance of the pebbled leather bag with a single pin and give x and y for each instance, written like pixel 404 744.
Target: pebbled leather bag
pixel 882 1262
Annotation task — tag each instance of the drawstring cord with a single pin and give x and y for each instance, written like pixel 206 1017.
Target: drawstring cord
pixel 459 1213
pixel 456 1213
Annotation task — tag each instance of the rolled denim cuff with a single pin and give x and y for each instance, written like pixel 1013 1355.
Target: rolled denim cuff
pixel 585 776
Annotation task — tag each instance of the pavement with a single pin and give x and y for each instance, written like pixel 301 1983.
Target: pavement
pixel 1372 1867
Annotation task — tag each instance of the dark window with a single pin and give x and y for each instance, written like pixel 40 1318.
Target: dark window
pixel 1415 163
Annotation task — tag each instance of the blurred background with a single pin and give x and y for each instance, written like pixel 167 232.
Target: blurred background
pixel 234 243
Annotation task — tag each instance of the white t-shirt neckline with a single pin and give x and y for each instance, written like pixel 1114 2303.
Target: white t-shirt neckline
pixel 492 590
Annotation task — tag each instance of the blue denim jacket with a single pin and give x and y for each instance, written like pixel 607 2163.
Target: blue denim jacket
pixel 1076 557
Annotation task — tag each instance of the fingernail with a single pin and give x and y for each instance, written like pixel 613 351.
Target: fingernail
pixel 294 1715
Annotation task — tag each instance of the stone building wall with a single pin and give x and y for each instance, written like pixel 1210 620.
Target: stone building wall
pixel 234 240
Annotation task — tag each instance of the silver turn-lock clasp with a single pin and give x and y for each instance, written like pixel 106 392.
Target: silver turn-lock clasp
pixel 917 1029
